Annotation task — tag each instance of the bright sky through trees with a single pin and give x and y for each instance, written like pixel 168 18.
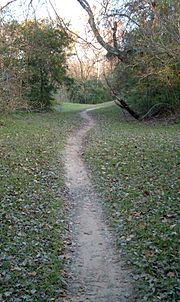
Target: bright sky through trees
pixel 70 10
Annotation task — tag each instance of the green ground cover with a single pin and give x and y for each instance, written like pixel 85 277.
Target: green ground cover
pixel 32 211
pixel 71 107
pixel 75 107
pixel 134 168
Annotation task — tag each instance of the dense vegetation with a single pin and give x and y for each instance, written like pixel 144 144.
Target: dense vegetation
pixel 142 43
pixel 33 62
pixel 89 91
pixel 149 75
pixel 142 40
pixel 135 169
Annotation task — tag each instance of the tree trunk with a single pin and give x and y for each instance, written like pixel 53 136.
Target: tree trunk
pixel 121 103
pixel 113 50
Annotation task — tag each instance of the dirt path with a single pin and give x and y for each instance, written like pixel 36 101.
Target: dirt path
pixel 97 273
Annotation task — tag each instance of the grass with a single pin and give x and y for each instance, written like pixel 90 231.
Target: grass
pixel 32 213
pixel 71 107
pixel 75 107
pixel 134 168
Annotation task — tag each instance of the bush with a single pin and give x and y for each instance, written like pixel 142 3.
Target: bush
pixel 91 91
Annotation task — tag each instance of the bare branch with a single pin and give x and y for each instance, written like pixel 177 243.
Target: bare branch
pixel 114 29
pixel 7 4
pixel 69 30
pixel 110 49
pixel 123 15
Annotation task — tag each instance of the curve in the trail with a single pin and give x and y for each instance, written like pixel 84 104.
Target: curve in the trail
pixel 98 274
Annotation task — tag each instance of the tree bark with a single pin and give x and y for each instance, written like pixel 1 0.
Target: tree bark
pixel 112 50
pixel 115 51
pixel 121 103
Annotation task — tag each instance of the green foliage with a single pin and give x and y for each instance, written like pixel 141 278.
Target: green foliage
pixel 32 212
pixel 72 107
pixel 90 91
pixel 10 69
pixel 135 169
pixel 33 55
pixel 144 90
pixel 44 53
pixel 149 76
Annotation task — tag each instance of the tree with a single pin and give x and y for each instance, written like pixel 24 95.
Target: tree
pixel 113 48
pixel 33 57
pixel 147 71
pixel 149 76
pixel 44 59
pixel 85 69
pixel 142 40
pixel 10 70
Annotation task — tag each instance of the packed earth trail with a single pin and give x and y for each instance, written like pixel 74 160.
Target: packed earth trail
pixel 97 272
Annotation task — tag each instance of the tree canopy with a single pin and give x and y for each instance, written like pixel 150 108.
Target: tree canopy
pixel 142 38
pixel 33 61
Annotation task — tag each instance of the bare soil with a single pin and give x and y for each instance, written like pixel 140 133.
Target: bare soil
pixel 97 273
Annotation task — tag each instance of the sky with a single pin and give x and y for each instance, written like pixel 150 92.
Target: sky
pixel 71 11
pixel 68 9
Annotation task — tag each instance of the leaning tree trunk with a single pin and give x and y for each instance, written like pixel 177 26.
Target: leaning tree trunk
pixel 121 103
pixel 113 50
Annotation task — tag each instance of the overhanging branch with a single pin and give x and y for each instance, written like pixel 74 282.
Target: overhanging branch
pixel 110 49
pixel 6 5
pixel 68 29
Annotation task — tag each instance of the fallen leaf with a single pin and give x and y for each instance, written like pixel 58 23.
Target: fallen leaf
pixel 148 253
pixel 33 274
pixel 170 274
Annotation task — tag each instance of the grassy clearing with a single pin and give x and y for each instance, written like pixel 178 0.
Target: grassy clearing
pixel 75 107
pixel 135 170
pixel 32 210
pixel 71 107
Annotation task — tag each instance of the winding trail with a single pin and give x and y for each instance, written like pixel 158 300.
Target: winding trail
pixel 98 274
